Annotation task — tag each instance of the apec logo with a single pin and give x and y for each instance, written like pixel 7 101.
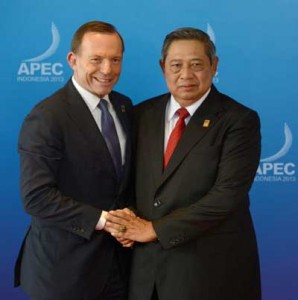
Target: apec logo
pixel 36 69
pixel 211 34
pixel 272 170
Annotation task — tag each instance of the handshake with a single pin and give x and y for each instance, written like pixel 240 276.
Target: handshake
pixel 127 228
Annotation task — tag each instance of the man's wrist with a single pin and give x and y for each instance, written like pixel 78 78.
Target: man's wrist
pixel 153 235
pixel 102 221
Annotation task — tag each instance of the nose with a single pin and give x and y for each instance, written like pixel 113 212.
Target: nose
pixel 186 72
pixel 105 66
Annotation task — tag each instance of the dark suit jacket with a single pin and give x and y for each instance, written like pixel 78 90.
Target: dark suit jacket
pixel 206 248
pixel 67 179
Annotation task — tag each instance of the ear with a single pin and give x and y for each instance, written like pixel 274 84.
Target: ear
pixel 162 65
pixel 214 65
pixel 72 59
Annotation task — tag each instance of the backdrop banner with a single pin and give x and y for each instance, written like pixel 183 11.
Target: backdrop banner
pixel 257 45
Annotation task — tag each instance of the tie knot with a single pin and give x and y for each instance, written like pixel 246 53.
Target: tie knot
pixel 182 113
pixel 103 104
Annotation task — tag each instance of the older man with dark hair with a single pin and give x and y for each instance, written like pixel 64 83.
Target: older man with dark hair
pixel 196 157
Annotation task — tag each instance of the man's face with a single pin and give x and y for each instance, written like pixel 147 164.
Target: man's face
pixel 188 71
pixel 97 64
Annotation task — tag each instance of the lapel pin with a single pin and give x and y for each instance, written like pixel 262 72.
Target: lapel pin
pixel 206 123
pixel 123 108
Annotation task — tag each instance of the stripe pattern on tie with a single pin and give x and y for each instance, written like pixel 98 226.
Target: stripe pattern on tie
pixel 175 134
pixel 110 135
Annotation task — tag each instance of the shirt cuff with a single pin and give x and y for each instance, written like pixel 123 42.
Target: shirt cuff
pixel 102 221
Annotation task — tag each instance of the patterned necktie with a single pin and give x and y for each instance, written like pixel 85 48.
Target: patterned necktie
pixel 175 134
pixel 109 133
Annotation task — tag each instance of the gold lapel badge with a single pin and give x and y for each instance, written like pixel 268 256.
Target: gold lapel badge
pixel 123 108
pixel 206 123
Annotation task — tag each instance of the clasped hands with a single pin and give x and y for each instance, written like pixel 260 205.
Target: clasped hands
pixel 128 228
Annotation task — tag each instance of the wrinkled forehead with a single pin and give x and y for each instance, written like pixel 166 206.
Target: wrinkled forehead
pixel 98 40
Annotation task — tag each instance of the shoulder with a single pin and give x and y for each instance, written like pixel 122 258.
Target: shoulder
pixel 152 103
pixel 233 107
pixel 47 114
pixel 123 99
pixel 52 103
pixel 235 112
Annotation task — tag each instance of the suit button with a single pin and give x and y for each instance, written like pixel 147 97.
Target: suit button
pixel 82 230
pixel 173 242
pixel 157 203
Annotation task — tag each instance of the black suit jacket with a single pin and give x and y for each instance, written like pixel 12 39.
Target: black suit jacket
pixel 206 248
pixel 67 179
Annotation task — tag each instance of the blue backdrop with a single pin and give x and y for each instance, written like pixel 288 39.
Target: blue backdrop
pixel 257 44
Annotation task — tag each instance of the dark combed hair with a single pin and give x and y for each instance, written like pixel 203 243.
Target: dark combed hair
pixel 93 26
pixel 189 33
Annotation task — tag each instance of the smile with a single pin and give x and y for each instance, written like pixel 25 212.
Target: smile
pixel 102 80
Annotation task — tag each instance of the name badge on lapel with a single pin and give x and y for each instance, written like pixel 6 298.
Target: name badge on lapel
pixel 206 123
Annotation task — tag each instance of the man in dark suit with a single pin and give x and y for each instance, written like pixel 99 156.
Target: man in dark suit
pixel 196 157
pixel 72 173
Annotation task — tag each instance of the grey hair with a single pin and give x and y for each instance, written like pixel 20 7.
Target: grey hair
pixel 189 33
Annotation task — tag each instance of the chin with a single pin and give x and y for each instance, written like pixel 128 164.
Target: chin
pixel 102 92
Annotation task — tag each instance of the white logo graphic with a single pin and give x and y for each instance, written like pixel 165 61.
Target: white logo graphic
pixel 211 34
pixel 285 148
pixel 36 69
pixel 52 49
pixel 271 170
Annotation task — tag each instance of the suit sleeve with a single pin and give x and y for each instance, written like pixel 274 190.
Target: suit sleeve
pixel 236 170
pixel 41 158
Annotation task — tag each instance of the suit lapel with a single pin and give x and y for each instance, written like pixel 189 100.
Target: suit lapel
pixel 155 138
pixel 200 124
pixel 80 114
pixel 121 111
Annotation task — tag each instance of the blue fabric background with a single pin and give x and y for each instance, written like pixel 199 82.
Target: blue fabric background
pixel 257 44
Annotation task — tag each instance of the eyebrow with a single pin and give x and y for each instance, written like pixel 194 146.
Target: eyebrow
pixel 192 59
pixel 100 56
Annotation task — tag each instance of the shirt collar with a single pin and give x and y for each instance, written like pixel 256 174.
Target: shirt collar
pixel 173 105
pixel 90 99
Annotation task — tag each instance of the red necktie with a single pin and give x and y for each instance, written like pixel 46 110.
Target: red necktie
pixel 175 134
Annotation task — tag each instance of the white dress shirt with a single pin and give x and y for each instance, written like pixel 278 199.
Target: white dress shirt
pixel 92 101
pixel 171 117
